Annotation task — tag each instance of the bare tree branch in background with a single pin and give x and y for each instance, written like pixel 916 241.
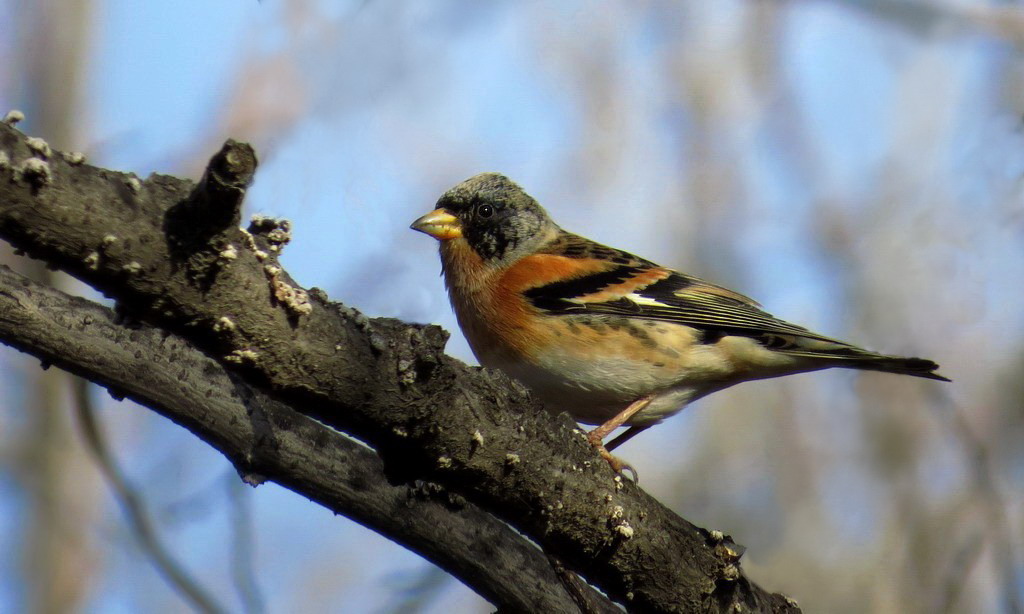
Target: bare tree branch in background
pixel 61 563
pixel 419 592
pixel 924 17
pixel 992 503
pixel 135 508
pixel 243 537
pixel 172 254
pixel 966 557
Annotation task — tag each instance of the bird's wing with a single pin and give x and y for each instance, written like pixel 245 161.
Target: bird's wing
pixel 613 282
pixel 575 276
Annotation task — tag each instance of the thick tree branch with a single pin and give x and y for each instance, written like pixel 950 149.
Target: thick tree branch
pixel 269 440
pixel 388 383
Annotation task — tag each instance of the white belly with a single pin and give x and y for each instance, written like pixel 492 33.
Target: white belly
pixel 593 391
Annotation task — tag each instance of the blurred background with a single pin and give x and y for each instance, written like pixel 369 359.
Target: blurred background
pixel 855 165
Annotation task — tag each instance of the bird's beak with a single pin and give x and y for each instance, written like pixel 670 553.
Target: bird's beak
pixel 439 224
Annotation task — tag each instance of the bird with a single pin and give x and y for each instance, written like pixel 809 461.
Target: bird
pixel 608 337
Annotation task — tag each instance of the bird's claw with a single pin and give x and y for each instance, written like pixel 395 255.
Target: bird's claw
pixel 617 464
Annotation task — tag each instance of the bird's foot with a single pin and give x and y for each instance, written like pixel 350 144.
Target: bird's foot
pixel 617 464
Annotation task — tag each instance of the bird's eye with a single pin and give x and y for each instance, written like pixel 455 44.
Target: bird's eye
pixel 484 210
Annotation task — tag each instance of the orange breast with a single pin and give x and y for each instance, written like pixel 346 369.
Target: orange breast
pixel 500 324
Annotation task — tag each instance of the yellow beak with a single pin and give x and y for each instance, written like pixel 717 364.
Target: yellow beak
pixel 439 224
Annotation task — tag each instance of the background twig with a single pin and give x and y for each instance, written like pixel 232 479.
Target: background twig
pixel 131 502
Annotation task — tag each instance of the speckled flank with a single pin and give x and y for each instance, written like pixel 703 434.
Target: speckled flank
pixel 614 362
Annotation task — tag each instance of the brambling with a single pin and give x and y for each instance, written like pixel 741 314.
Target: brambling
pixel 608 337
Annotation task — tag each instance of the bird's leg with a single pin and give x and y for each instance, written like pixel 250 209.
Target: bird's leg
pixel 596 436
pixel 624 437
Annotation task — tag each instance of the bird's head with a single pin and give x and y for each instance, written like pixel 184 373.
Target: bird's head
pixel 495 217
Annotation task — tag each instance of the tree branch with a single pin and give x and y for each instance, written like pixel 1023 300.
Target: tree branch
pixel 386 382
pixel 272 441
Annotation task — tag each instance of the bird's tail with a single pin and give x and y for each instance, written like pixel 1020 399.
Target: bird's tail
pixel 845 356
pixel 918 367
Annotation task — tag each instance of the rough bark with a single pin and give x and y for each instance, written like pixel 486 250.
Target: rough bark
pixel 274 442
pixel 171 254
